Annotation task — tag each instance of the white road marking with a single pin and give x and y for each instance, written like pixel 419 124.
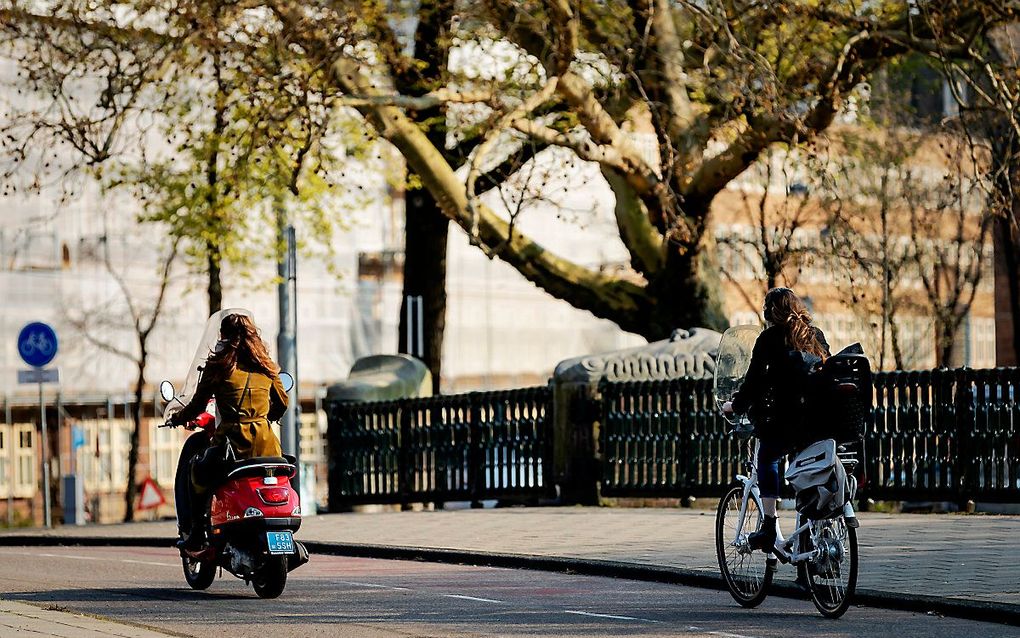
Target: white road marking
pixel 65 556
pixel 723 634
pixel 481 600
pixel 147 562
pixel 588 613
pixel 373 585
pixel 75 557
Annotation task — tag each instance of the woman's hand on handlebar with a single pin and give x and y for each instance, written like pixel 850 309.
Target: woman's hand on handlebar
pixel 727 408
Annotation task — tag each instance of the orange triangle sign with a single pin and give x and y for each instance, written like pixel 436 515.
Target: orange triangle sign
pixel 150 495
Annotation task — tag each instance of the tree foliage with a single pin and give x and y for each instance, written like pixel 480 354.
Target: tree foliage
pixel 129 310
pixel 713 84
pixel 216 138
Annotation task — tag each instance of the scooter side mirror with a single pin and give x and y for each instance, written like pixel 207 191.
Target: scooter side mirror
pixel 166 390
pixel 287 379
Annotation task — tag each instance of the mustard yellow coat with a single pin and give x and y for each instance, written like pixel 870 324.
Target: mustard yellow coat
pixel 247 402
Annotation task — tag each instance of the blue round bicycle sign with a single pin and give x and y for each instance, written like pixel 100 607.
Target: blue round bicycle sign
pixel 37 344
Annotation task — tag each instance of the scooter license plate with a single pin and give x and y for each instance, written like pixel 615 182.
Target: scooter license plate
pixel 280 542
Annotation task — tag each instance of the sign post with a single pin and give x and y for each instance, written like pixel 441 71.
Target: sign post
pixel 37 345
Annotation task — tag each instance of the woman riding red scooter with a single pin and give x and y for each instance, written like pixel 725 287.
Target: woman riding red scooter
pixel 245 383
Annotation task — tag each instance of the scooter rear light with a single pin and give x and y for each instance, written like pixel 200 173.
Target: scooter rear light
pixel 274 495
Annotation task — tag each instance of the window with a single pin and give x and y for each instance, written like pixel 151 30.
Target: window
pixel 85 459
pixel 25 461
pixel 103 458
pixel 121 436
pixel 165 446
pixel 983 342
pixel 744 318
pixel 311 439
pixel 5 464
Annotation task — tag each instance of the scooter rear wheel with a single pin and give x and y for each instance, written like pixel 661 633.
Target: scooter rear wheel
pixel 271 578
pixel 199 573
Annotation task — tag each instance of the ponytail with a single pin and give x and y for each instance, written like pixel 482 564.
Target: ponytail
pixel 784 308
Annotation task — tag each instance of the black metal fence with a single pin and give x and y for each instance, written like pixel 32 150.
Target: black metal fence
pixel 945 434
pixel 933 435
pixel 665 438
pixel 465 447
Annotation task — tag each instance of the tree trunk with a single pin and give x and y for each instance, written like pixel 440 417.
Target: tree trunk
pixel 1007 289
pixel 897 350
pixel 215 286
pixel 947 335
pixel 426 230
pixel 136 418
pixel 1006 229
pixel 687 294
pixel 684 293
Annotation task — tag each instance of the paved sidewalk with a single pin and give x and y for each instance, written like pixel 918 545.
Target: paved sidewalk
pixel 964 557
pixel 21 619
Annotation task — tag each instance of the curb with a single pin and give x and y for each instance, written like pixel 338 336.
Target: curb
pixel 1000 613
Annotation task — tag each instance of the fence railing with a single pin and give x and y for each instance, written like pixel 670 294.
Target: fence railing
pixel 945 434
pixel 932 435
pixel 665 438
pixel 465 447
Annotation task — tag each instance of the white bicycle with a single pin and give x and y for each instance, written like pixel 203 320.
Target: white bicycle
pixel 824 551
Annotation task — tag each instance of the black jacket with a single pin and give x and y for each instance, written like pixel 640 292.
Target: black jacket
pixel 772 391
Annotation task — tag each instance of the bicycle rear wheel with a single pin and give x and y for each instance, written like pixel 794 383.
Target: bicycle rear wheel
pixel 746 572
pixel 832 573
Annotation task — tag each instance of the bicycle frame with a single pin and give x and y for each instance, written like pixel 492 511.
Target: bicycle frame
pixel 785 550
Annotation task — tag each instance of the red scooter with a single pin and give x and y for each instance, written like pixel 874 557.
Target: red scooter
pixel 251 518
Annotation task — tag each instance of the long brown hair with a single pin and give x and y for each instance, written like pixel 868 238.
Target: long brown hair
pixel 240 345
pixel 784 308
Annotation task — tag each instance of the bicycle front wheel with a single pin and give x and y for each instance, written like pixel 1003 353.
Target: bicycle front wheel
pixel 746 572
pixel 832 572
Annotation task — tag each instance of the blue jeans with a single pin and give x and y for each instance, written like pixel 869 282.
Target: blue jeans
pixel 769 454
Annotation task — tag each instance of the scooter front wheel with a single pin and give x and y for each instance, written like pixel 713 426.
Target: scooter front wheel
pixel 271 578
pixel 199 573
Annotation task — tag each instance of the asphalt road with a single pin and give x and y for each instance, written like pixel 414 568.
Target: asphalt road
pixel 334 596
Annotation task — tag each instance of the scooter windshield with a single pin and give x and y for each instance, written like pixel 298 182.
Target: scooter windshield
pixel 733 360
pixel 206 346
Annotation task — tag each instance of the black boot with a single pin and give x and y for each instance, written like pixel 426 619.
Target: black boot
pixel 196 535
pixel 764 538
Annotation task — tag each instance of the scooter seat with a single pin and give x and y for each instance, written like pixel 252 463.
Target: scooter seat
pixel 261 464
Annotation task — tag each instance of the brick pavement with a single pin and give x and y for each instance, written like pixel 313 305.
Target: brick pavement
pixel 22 619
pixel 971 557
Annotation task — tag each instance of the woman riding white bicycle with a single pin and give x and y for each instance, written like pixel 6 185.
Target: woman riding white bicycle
pixel 770 395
